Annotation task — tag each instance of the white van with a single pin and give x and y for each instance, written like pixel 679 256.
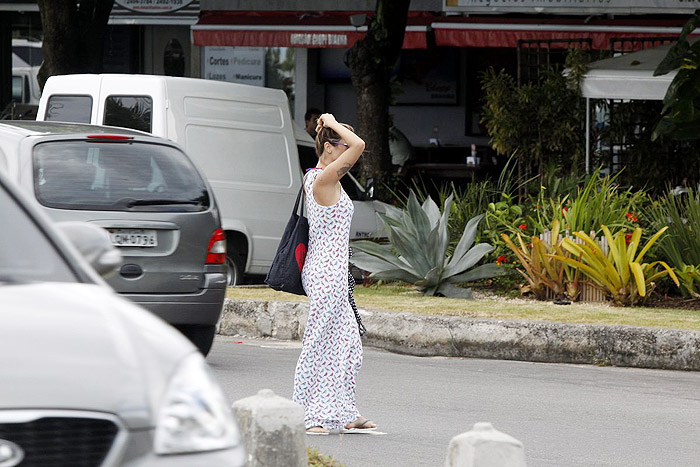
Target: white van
pixel 241 136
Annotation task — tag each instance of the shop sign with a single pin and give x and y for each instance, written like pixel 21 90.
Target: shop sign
pixel 244 65
pixel 574 6
pixel 153 6
pixel 318 40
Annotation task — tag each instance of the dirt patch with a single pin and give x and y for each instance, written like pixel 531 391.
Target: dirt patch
pixel 656 300
pixel 672 301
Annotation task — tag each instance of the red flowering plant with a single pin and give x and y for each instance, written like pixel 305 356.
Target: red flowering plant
pixel 599 201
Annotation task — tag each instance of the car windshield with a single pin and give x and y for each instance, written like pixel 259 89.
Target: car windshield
pixel 26 253
pixel 117 176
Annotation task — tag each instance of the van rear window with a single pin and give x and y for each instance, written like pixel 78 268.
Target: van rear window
pixel 108 176
pixel 129 112
pixel 64 108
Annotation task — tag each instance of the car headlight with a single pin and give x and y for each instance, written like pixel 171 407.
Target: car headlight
pixel 194 415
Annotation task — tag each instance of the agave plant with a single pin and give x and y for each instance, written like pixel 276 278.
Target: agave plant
pixel 417 251
pixel 621 274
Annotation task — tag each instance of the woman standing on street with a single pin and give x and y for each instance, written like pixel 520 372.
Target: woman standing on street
pixel 331 354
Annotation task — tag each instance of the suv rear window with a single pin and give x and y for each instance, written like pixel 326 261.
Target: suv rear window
pixel 117 176
pixel 76 109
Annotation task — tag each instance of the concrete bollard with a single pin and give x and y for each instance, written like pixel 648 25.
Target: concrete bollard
pixel 485 446
pixel 272 429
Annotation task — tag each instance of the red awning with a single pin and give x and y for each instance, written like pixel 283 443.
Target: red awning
pixel 505 32
pixel 322 30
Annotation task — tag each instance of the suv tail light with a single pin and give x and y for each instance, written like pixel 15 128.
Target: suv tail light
pixel 216 253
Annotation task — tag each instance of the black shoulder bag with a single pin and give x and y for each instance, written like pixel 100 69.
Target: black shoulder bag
pixel 285 272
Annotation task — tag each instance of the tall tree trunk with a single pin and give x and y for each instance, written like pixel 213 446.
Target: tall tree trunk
pixel 371 61
pixel 73 36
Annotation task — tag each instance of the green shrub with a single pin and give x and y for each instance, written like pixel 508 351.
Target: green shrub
pixel 600 201
pixel 621 274
pixel 681 246
pixel 542 271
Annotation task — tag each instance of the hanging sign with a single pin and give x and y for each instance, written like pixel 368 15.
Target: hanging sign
pixel 153 6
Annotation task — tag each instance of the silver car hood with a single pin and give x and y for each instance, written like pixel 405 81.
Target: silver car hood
pixel 82 347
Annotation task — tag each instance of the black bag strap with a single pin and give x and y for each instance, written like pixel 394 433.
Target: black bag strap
pixel 351 299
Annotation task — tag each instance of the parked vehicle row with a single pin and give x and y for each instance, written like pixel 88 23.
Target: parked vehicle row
pixel 242 137
pixel 146 192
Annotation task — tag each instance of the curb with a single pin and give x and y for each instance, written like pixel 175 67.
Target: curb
pixel 450 336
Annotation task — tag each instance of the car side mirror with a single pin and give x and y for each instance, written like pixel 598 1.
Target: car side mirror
pixel 369 188
pixel 94 244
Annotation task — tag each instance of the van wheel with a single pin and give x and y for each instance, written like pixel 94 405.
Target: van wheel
pixel 234 270
pixel 201 336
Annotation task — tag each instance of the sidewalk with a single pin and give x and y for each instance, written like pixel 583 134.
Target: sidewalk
pixel 535 341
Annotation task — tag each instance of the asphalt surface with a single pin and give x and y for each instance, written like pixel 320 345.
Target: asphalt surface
pixel 565 415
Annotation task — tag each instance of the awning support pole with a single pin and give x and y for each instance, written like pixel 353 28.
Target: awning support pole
pixel 588 135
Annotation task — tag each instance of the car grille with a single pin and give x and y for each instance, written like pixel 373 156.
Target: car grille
pixel 62 441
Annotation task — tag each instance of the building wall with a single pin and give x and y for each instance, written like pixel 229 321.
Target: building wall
pixel 418 122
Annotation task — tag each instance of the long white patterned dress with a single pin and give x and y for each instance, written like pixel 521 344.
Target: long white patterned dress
pixel 331 354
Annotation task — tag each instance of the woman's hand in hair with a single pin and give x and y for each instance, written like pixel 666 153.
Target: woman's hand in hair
pixel 325 120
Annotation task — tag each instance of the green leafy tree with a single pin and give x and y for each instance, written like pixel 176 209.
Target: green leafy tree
pixel 540 122
pixel 680 116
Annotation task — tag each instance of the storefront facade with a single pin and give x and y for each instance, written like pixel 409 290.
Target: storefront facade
pixel 447 45
pixel 300 46
pixel 152 38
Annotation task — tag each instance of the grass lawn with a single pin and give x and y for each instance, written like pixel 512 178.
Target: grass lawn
pixel 490 306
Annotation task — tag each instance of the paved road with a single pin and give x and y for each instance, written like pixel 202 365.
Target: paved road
pixel 566 415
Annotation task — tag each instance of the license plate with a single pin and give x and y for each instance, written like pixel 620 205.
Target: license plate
pixel 133 237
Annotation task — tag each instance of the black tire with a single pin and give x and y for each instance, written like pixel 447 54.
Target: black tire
pixel 201 336
pixel 234 269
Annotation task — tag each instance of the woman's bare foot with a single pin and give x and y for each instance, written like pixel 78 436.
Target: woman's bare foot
pixel 361 424
pixel 317 430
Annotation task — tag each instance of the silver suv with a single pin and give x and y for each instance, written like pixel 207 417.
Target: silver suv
pixel 146 192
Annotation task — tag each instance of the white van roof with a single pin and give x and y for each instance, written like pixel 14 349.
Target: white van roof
pixel 201 87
